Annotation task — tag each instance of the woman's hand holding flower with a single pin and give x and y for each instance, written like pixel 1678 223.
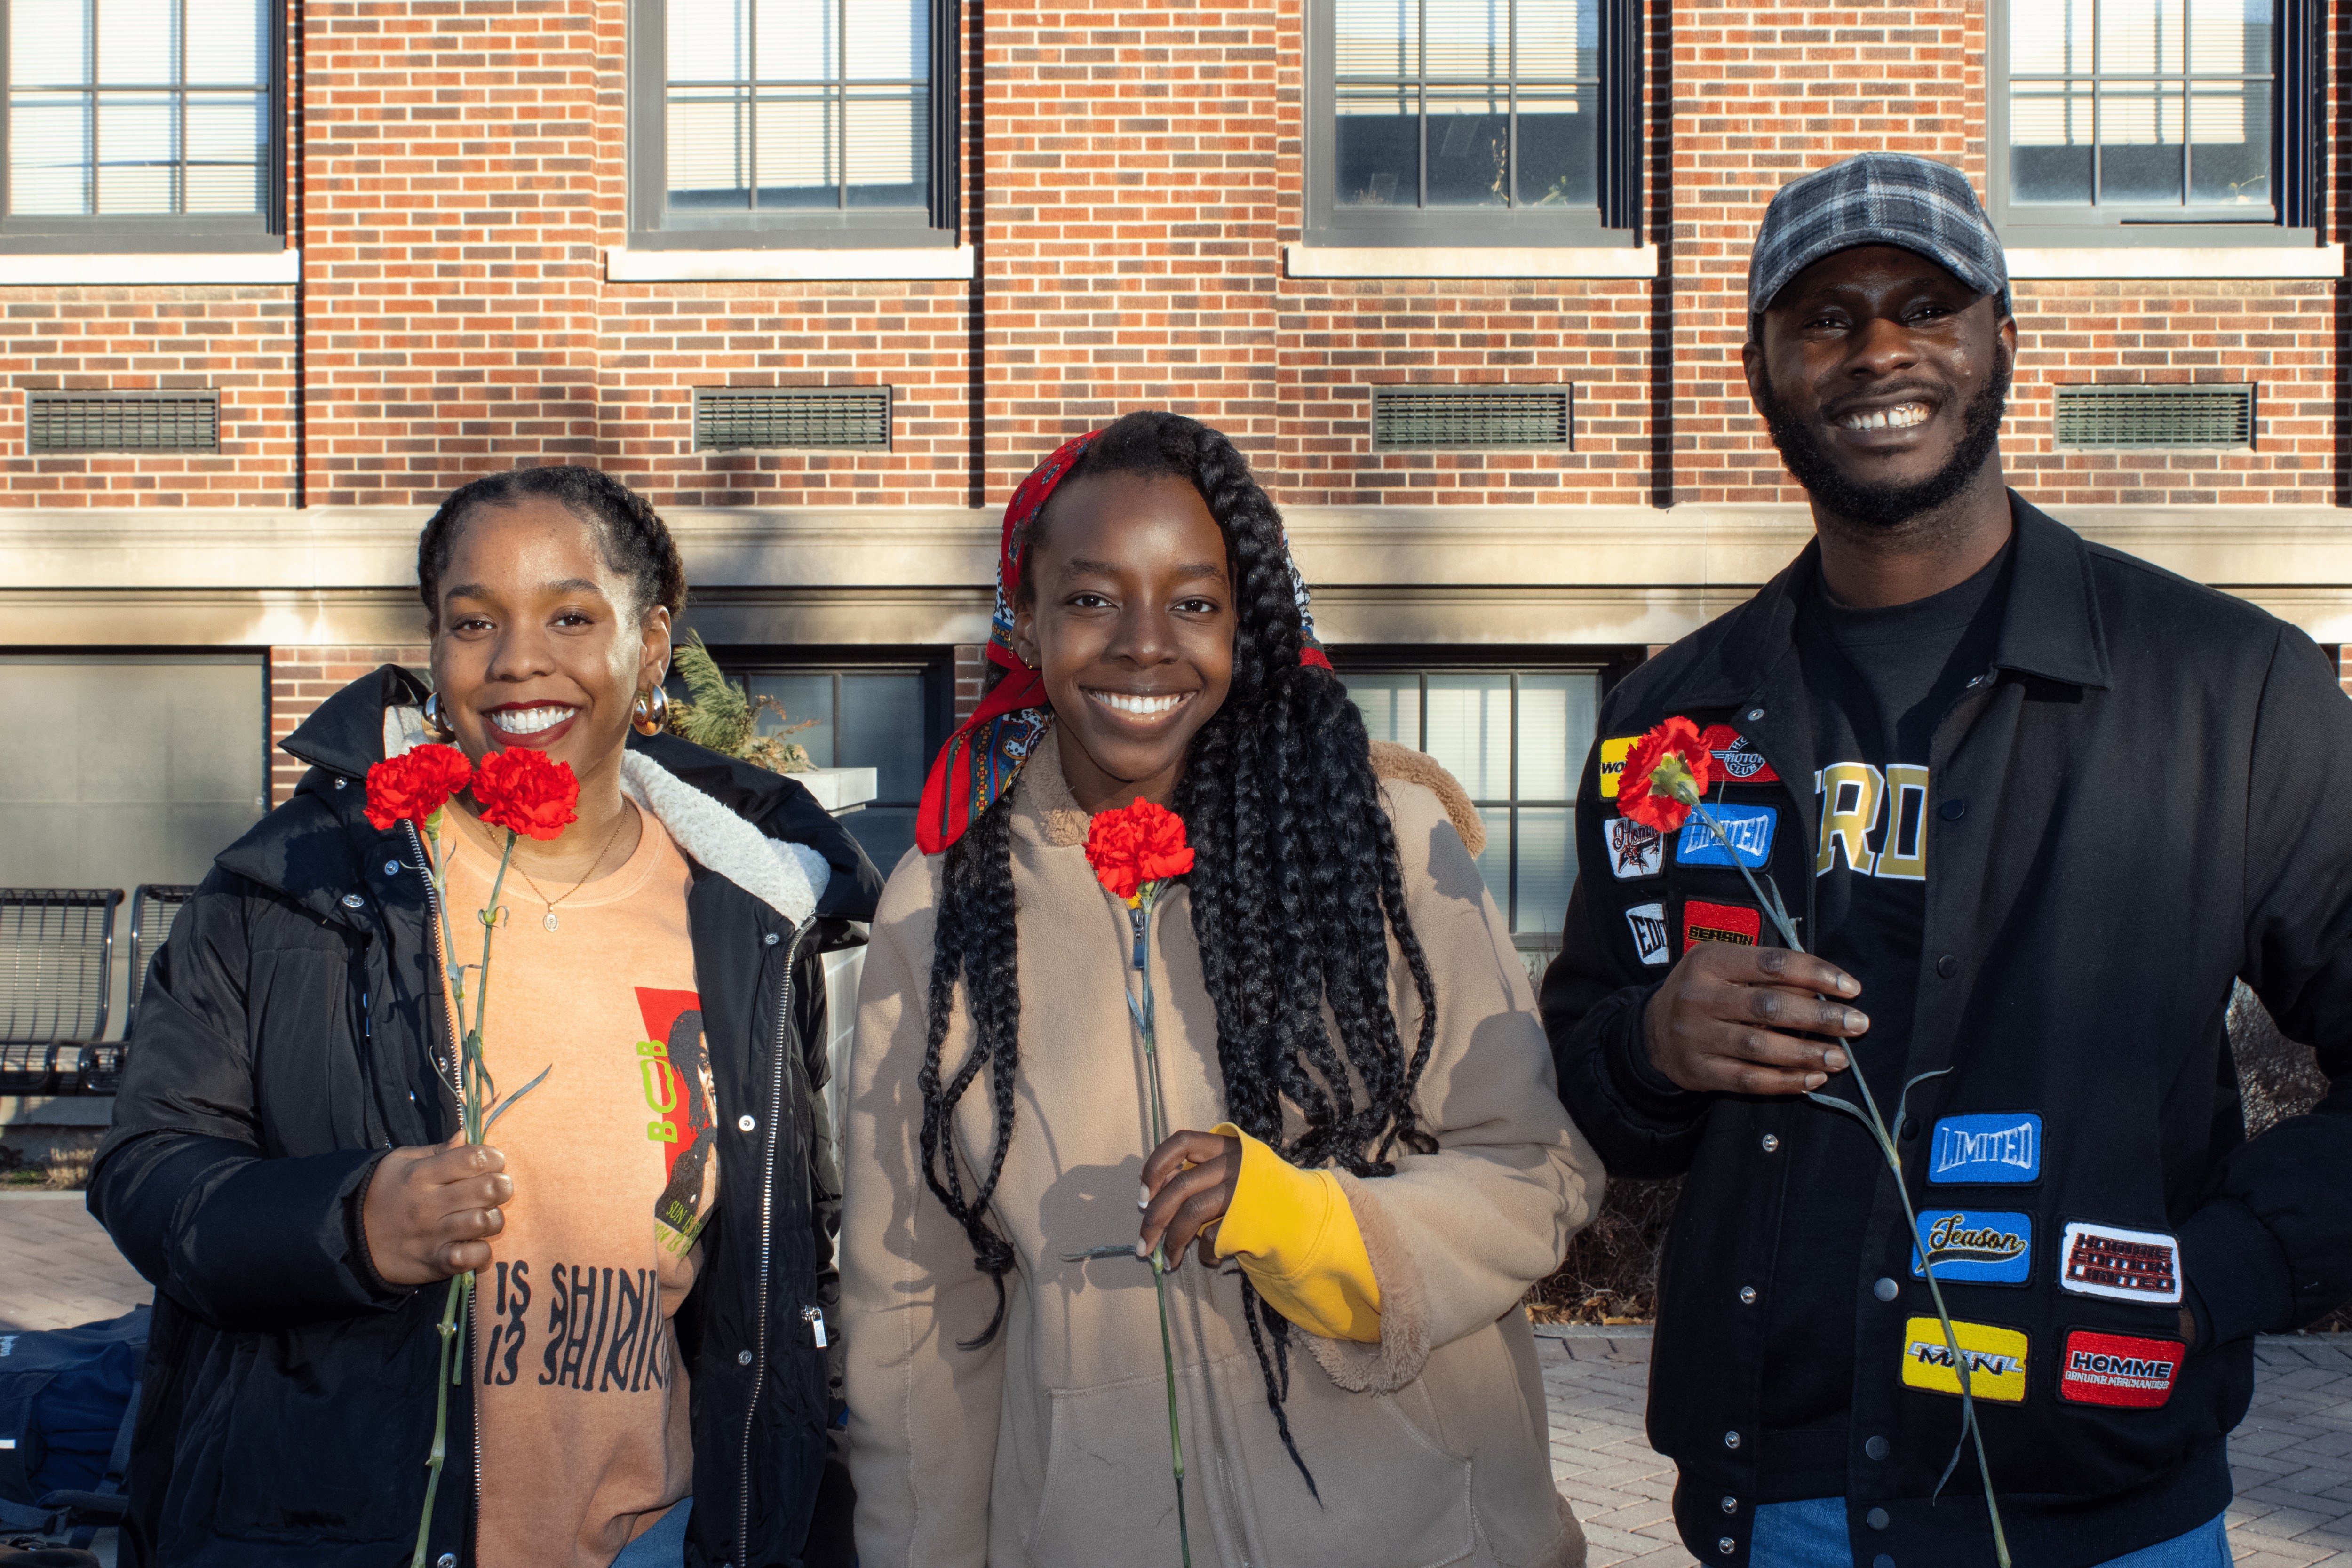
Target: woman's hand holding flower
pixel 431 1213
pixel 1188 1184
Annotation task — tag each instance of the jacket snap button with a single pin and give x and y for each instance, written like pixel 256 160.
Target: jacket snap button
pixel 1886 1290
pixel 1877 1448
pixel 392 867
pixel 742 1358
pixel 1771 1141
pixel 1726 1545
pixel 1947 966
pixel 1876 1519
pixel 1754 714
pixel 1731 1439
pixel 1731 1505
pixel 1910 1128
pixel 768 939
pixel 446 1560
pixel 353 901
pixel 1747 1295
pixel 1882 1561
pixel 1953 810
pixel 745 1124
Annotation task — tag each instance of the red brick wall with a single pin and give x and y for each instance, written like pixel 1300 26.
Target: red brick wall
pixel 238 340
pixel 1132 174
pixel 303 677
pixel 970 672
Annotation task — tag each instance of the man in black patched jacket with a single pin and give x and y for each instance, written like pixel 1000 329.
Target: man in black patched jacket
pixel 2034 806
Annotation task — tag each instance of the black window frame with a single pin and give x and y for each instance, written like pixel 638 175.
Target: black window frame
pixel 1615 221
pixel 1605 665
pixel 934 663
pixel 652 227
pixel 2298 134
pixel 52 234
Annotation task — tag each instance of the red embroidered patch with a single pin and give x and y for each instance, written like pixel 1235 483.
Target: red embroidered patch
pixel 1721 923
pixel 2115 1369
pixel 1738 762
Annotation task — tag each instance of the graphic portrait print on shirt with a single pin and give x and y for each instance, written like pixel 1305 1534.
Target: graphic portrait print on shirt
pixel 675 1070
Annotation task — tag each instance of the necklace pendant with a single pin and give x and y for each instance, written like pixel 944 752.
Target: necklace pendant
pixel 549 919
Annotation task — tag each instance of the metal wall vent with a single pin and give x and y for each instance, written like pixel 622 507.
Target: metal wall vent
pixel 1422 418
pixel 737 419
pixel 122 421
pixel 2110 417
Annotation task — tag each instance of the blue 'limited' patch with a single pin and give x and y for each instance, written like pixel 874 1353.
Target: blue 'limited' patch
pixel 1999 1148
pixel 1749 828
pixel 1974 1246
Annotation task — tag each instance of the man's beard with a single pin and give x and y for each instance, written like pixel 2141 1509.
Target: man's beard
pixel 1887 505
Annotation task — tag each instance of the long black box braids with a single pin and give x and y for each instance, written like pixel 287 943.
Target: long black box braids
pixel 1297 890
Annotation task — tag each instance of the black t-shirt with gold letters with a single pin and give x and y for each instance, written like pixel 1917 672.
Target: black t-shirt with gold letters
pixel 1878 682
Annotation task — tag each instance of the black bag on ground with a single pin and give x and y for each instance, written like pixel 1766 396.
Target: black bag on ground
pixel 67 1398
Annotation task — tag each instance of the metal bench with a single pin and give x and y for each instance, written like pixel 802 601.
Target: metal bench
pixel 153 906
pixel 56 952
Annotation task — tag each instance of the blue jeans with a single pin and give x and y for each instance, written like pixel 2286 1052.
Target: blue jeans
pixel 1811 1534
pixel 663 1546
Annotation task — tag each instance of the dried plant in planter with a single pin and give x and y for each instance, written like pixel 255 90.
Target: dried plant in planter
pixel 722 716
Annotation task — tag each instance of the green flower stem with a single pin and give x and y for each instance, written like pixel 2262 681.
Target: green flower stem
pixel 476 1092
pixel 1141 916
pixel 1877 1124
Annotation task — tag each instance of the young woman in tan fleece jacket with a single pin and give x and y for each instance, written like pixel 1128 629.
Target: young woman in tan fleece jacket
pixel 1375 1165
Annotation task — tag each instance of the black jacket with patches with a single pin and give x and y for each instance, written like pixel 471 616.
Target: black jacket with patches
pixel 292 1030
pixel 2142 800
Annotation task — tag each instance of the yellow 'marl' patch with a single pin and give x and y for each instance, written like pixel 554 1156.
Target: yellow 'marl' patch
pixel 1996 1358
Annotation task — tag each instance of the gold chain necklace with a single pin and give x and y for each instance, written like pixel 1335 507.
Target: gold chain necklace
pixel 549 919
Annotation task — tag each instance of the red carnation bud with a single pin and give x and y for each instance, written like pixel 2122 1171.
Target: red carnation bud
pixel 1137 844
pixel 1665 774
pixel 524 792
pixel 413 785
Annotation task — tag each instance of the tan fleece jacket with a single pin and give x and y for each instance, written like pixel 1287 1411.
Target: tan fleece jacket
pixel 1050 1447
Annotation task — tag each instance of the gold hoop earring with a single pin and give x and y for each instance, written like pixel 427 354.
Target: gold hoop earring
pixel 651 714
pixel 436 721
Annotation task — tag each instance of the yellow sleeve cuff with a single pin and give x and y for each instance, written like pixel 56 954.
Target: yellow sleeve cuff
pixel 1296 1237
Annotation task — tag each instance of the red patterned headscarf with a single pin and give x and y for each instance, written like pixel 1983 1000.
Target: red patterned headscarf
pixel 980 760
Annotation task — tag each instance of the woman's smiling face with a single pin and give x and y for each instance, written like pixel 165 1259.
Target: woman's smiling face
pixel 536 640
pixel 1127 609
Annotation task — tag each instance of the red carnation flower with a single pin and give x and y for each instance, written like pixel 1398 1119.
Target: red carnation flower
pixel 1667 771
pixel 413 785
pixel 1133 845
pixel 524 792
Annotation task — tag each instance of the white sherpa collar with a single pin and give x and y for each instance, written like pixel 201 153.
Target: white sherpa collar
pixel 788 878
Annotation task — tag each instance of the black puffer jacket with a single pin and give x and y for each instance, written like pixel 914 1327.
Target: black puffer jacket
pixel 291 1032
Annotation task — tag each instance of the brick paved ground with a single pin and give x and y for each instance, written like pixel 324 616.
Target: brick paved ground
pixel 2293 1456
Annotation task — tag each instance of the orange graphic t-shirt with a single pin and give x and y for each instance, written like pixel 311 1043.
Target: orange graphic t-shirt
pixel 584 1404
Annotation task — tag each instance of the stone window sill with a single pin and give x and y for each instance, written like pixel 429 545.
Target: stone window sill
pixel 2129 262
pixel 785 265
pixel 153 267
pixel 1470 261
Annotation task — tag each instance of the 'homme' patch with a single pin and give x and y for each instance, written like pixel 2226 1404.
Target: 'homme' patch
pixel 2120 1265
pixel 2120 1370
pixel 1996 1149
pixel 1995 1358
pixel 1613 752
pixel 1748 827
pixel 1739 924
pixel 1635 848
pixel 1738 762
pixel 1974 1246
pixel 1648 923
